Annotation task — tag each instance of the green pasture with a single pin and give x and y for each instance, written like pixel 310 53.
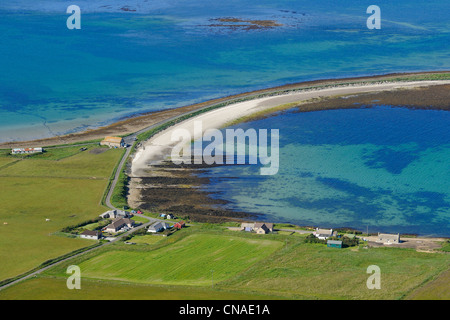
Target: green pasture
pixel 197 260
pixel 49 288
pixel 35 189
pixel 314 271
pixel 64 162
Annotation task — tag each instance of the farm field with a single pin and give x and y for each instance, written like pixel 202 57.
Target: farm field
pixel 437 289
pixel 35 189
pixel 197 260
pixel 147 239
pixel 49 288
pixel 70 163
pixel 313 271
pixel 246 266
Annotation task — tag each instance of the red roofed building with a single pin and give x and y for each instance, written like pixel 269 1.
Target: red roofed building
pixel 179 225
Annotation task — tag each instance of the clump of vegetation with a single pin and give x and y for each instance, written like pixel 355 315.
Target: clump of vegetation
pixel 446 246
pixel 348 242
pixel 310 238
pixel 71 229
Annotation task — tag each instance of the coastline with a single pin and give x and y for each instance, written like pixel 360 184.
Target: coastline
pixel 179 186
pixel 159 146
pixel 175 188
pixel 137 122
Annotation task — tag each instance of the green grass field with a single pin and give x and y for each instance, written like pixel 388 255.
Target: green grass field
pixel 437 289
pixel 49 288
pixel 35 189
pixel 189 261
pixel 70 163
pixel 313 271
pixel 147 239
pixel 246 266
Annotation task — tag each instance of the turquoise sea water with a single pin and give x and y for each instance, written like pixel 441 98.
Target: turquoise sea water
pixel 384 168
pixel 164 54
pixel 144 55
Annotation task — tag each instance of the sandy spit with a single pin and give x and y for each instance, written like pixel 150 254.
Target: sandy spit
pixel 159 146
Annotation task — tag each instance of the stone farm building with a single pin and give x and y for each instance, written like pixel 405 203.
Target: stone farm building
pixel 113 142
pixel 324 234
pixel 386 238
pixel 88 234
pixel 112 214
pixel 258 227
pixel 119 224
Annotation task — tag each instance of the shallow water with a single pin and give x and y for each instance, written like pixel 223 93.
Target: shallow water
pixel 166 54
pixel 391 174
pixel 384 168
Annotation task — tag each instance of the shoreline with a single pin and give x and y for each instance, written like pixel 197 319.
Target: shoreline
pixel 314 104
pixel 158 147
pixel 178 179
pixel 140 121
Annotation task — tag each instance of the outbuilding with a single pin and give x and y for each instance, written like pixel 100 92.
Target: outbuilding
pixel 113 142
pixel 334 244
pixel 179 225
pixel 88 234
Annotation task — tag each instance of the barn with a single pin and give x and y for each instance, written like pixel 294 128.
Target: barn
pixel 113 142
pixel 179 225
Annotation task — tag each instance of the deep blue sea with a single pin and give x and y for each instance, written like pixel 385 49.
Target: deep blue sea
pixel 134 56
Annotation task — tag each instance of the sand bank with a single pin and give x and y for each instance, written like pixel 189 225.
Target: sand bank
pixel 159 147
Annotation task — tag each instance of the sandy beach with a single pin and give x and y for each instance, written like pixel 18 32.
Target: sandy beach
pixel 158 148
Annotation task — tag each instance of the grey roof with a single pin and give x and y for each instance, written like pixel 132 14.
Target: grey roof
pixel 120 222
pixel 261 224
pixel 388 235
pixel 159 225
pixel 334 242
pixel 90 233
pixel 324 231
